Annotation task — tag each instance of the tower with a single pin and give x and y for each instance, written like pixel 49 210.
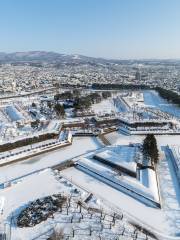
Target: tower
pixel 138 75
pixel 13 85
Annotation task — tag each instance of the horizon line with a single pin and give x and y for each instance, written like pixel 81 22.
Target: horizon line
pixel 97 57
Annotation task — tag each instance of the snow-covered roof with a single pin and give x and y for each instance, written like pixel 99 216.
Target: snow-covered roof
pixel 13 113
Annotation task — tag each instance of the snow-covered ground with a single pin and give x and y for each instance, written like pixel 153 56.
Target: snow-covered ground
pixel 36 183
pixel 17 154
pixel 117 138
pixel 163 219
pixel 105 106
pixel 124 157
pixel 170 213
pixel 143 189
pixel 170 190
pixel 169 187
pixel 28 189
pixel 153 99
pixel 80 145
pixel 135 98
pixel 154 218
pixel 175 154
pixel 102 219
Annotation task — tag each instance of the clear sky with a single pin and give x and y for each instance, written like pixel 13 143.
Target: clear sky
pixel 101 28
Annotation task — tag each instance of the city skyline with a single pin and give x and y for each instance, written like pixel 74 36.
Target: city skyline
pixel 108 29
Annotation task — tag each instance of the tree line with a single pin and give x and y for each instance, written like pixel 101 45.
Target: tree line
pixel 109 86
pixel 81 102
pixel 169 95
pixel 27 141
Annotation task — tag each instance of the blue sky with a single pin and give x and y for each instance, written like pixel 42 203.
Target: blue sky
pixel 101 28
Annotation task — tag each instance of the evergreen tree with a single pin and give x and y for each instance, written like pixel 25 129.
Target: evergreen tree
pixel 59 109
pixel 49 104
pixel 33 105
pixel 106 94
pixel 150 149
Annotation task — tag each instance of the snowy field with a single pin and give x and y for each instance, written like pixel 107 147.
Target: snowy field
pixel 117 138
pixel 154 218
pixel 152 98
pixel 81 222
pixel 79 146
pixel 105 106
pixel 28 189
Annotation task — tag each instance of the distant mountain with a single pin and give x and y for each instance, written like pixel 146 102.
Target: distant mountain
pixel 58 59
pixel 42 56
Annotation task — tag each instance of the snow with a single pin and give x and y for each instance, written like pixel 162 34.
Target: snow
pixel 46 183
pixel 122 158
pixel 105 106
pixel 37 182
pixel 117 138
pixel 148 179
pixel 28 189
pixel 2 202
pixel 13 113
pixel 54 126
pixel 168 217
pixel 153 99
pixel 33 149
pixel 80 145
pixel 134 98
pixel 126 184
pixel 72 120
pixel 175 149
pixel 121 106
pixel 32 187
pixel 155 219
pixel 85 145
pixel 170 190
